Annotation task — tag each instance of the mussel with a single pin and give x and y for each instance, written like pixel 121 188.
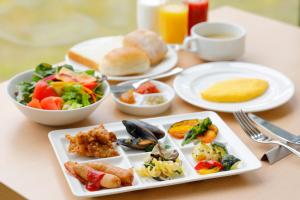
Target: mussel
pixel 144 136
pixel 156 131
pixel 138 131
pixel 137 143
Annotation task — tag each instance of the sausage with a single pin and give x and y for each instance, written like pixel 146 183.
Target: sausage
pixel 126 175
pixel 92 178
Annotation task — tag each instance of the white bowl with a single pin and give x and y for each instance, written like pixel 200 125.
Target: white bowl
pixel 147 110
pixel 50 117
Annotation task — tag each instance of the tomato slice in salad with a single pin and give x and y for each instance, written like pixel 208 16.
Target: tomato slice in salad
pixel 43 90
pixel 35 103
pixel 90 85
pixel 52 103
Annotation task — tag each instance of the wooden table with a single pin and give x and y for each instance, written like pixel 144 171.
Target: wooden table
pixel 28 164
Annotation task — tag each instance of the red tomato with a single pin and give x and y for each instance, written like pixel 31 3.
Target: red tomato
pixel 43 90
pixel 90 85
pixel 147 88
pixel 208 164
pixel 34 103
pixel 52 103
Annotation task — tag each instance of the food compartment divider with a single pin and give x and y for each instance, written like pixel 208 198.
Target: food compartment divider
pixel 125 157
pixel 137 160
pixel 177 143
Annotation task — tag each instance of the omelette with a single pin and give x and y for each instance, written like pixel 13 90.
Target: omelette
pixel 235 90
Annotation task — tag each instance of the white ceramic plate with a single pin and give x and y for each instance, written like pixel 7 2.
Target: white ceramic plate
pixel 192 81
pixel 165 65
pixel 132 158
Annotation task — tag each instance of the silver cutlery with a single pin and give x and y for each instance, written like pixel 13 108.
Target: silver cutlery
pixel 171 72
pixel 283 134
pixel 251 130
pixel 123 88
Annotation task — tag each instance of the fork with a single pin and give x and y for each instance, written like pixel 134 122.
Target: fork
pixel 122 88
pixel 252 131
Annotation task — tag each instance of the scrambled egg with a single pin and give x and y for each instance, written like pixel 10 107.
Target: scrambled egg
pixel 235 90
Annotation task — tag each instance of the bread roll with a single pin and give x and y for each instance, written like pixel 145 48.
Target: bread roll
pixel 149 42
pixel 124 61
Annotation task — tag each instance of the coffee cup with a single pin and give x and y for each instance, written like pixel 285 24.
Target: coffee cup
pixel 216 41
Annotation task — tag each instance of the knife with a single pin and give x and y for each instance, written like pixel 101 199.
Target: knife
pixel 283 134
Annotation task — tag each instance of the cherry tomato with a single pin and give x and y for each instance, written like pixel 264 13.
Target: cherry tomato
pixel 52 103
pixel 34 103
pixel 43 90
pixel 147 88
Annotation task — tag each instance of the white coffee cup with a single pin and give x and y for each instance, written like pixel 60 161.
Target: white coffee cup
pixel 216 41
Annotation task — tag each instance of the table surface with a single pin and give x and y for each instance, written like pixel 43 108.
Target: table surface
pixel 29 166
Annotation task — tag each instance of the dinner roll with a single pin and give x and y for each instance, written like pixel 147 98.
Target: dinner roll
pixel 124 61
pixel 149 42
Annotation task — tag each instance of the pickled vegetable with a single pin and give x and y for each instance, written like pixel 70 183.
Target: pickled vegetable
pixel 147 88
pixel 155 100
pixel 128 97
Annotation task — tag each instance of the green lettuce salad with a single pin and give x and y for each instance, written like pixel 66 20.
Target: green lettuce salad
pixel 60 88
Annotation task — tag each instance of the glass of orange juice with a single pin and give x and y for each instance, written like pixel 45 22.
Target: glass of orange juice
pixel 173 21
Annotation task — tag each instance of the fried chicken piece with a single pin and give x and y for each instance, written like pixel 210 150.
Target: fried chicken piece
pixel 97 142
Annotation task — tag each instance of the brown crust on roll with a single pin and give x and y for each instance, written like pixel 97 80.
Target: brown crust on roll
pixel 82 60
pixel 149 42
pixel 125 61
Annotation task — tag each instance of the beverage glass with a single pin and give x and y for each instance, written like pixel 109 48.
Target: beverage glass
pixel 148 14
pixel 198 10
pixel 173 21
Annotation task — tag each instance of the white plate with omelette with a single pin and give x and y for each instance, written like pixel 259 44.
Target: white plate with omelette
pixel 232 86
pixel 88 54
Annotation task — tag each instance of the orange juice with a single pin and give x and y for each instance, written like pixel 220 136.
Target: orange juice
pixel 173 22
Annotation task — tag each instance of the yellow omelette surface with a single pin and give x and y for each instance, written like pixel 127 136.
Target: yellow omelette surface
pixel 235 90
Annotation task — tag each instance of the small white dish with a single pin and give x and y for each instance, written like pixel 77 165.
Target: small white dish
pixel 192 81
pixel 50 117
pixel 140 108
pixel 165 65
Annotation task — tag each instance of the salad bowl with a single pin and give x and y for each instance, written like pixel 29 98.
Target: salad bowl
pixel 51 117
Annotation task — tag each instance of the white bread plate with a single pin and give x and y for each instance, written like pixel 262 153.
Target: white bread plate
pixel 105 44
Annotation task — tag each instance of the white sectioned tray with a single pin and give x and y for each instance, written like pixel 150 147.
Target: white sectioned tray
pixel 131 158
